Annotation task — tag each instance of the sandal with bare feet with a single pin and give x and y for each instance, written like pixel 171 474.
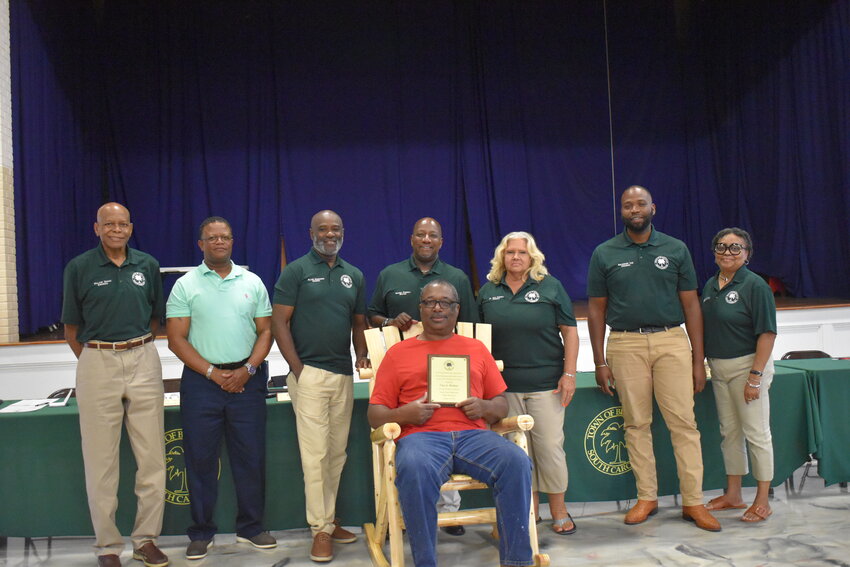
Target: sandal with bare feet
pixel 756 514
pixel 561 523
pixel 720 503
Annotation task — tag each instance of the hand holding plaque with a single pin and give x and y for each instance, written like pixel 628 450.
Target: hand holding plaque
pixel 448 379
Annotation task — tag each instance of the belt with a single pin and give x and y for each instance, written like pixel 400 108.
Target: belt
pixel 231 365
pixel 120 345
pixel 646 330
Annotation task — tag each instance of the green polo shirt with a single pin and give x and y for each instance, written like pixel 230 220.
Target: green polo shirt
pixel 641 281
pixel 222 310
pixel 398 287
pixel 736 315
pixel 109 302
pixel 526 336
pixel 325 300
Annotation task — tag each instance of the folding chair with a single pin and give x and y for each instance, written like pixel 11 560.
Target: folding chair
pixel 389 522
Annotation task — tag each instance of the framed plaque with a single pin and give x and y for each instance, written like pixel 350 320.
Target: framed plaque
pixel 448 379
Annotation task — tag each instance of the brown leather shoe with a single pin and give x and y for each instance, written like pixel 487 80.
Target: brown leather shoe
pixel 342 535
pixel 701 517
pixel 641 511
pixel 110 560
pixel 323 548
pixel 149 554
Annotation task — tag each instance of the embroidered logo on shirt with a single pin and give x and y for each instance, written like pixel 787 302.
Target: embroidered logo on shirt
pixel 624 264
pixel 662 262
pixel 138 278
pixel 732 297
pixel 102 283
pixel 401 293
pixel 532 296
pixel 345 280
pixel 315 280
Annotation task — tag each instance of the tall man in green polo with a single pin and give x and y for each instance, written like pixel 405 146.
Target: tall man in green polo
pixel 395 302
pixel 111 310
pixel 319 308
pixel 642 283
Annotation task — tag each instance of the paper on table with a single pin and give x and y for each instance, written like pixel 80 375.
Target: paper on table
pixel 28 405
pixel 172 399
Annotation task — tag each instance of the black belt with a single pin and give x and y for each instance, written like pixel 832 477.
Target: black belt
pixel 231 365
pixel 645 330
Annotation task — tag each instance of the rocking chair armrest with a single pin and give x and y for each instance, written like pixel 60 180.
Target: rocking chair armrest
pixel 385 432
pixel 514 423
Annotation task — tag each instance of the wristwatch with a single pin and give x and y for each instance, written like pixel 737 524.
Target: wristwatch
pixel 251 368
pixel 755 372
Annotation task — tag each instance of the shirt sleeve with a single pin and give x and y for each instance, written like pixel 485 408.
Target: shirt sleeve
pixel 494 384
pixel 264 307
pixel 386 389
pixel 378 303
pixel 360 301
pixel 468 307
pixel 286 288
pixel 158 305
pixel 687 274
pixel 72 313
pixel 564 315
pixel 178 304
pixel 763 309
pixel 597 285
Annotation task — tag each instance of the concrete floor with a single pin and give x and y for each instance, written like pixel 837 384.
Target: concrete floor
pixel 808 529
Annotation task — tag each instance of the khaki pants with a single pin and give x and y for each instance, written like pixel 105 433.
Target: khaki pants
pixel 659 365
pixel 741 423
pixel 545 440
pixel 323 402
pixel 115 387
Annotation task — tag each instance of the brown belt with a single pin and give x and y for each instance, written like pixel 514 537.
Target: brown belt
pixel 120 345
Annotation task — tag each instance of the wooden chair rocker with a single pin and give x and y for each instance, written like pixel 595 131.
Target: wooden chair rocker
pixel 389 521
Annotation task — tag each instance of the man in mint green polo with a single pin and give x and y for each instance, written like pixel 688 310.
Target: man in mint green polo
pixel 111 310
pixel 642 284
pixel 395 300
pixel 219 326
pixel 319 309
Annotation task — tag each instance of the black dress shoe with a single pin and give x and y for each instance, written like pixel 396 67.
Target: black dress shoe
pixel 455 530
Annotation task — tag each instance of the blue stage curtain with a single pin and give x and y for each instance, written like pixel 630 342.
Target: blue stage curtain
pixel 489 116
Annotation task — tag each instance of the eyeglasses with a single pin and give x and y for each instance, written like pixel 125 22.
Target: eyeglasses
pixel 432 303
pixel 733 249
pixel 212 239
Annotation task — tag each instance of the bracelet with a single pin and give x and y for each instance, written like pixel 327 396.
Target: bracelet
pixel 601 365
pixel 756 372
pixel 751 385
pixel 568 374
pixel 385 322
pixel 209 371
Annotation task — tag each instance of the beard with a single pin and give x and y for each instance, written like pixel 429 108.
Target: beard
pixel 638 225
pixel 325 248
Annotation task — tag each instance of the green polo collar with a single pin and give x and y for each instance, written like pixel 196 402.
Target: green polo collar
pixel 435 269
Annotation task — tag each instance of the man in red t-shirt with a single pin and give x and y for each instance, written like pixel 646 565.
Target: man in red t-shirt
pixel 438 441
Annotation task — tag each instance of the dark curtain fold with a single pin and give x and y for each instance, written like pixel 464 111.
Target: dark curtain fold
pixel 489 116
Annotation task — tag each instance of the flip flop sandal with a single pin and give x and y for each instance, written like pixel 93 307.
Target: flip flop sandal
pixel 760 512
pixel 720 503
pixel 562 522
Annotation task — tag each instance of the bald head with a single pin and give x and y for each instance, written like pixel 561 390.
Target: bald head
pixel 113 227
pixel 326 232
pixel 637 191
pixel 426 241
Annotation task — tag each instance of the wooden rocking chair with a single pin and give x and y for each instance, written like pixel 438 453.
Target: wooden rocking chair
pixel 389 522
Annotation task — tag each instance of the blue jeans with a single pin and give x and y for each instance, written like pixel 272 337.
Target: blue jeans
pixel 426 460
pixel 208 413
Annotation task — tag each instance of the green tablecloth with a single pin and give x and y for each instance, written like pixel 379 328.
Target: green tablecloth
pixel 42 488
pixel 829 382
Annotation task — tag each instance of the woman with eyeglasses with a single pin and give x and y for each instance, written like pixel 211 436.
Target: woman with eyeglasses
pixel 535 335
pixel 739 315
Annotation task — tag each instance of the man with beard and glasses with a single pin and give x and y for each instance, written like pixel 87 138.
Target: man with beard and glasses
pixel 395 302
pixel 642 284
pixel 319 308
pixel 219 326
